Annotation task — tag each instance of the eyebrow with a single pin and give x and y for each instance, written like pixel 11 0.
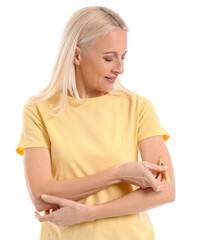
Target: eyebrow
pixel 115 52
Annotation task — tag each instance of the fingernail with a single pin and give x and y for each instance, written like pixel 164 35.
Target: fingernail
pixel 44 196
pixel 165 167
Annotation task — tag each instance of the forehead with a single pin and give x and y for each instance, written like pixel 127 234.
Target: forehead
pixel 114 41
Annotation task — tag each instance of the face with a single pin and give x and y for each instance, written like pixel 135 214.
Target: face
pixel 97 69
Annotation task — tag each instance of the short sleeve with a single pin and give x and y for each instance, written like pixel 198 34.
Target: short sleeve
pixel 34 133
pixel 148 122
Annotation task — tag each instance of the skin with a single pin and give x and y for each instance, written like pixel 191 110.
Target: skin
pixel 105 58
pixel 93 66
pixel 71 212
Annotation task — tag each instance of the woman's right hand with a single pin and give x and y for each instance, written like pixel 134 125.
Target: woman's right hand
pixel 144 175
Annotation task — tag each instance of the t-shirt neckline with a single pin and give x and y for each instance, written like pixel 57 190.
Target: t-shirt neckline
pixel 90 99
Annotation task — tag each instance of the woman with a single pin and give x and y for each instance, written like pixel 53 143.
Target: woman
pixel 80 138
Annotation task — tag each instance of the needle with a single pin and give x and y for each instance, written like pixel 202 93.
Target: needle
pixel 166 175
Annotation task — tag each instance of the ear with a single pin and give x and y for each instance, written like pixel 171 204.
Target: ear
pixel 77 57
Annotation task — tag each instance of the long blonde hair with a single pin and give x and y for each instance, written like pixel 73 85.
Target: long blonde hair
pixel 82 29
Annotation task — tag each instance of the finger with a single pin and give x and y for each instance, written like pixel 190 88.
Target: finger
pixel 47 212
pixel 155 174
pixel 160 177
pixel 151 181
pixel 54 209
pixel 44 218
pixel 164 180
pixel 53 199
pixel 155 167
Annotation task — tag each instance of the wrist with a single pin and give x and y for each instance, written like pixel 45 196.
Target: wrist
pixel 117 174
pixel 92 212
pixel 100 211
pixel 119 170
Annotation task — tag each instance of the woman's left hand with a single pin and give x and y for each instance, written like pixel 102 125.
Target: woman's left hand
pixel 68 213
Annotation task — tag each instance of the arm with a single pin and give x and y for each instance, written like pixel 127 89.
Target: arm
pixel 37 166
pixel 151 149
pixel 140 200
pixel 135 202
pixel 71 212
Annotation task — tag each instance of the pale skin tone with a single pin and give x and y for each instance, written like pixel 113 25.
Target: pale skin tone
pixel 91 69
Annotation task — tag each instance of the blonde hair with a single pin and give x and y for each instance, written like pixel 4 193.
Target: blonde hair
pixel 82 29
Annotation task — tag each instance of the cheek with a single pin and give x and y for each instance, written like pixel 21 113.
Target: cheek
pixel 103 68
pixel 99 69
pixel 96 68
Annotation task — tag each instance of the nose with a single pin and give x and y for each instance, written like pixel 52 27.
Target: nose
pixel 118 66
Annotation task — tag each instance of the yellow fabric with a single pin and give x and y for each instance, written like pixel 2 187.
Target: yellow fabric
pixel 89 138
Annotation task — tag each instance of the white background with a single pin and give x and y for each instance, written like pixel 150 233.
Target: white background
pixel 166 62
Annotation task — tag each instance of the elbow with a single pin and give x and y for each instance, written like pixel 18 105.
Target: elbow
pixel 37 202
pixel 172 197
pixel 40 205
pixel 171 194
pixel 40 208
pixel 35 195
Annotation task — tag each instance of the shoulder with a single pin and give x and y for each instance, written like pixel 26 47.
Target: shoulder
pixel 143 101
pixel 43 101
pixel 37 108
pixel 139 100
pixel 124 93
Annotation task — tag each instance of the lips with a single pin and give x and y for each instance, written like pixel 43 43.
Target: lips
pixel 111 79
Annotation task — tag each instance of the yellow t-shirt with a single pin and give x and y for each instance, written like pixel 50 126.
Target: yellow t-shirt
pixel 86 139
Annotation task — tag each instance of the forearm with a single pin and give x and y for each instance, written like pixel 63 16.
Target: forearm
pixel 135 202
pixel 76 189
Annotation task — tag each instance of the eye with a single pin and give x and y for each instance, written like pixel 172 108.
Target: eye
pixel 108 60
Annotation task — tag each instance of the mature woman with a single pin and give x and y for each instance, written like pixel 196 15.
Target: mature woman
pixel 80 137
